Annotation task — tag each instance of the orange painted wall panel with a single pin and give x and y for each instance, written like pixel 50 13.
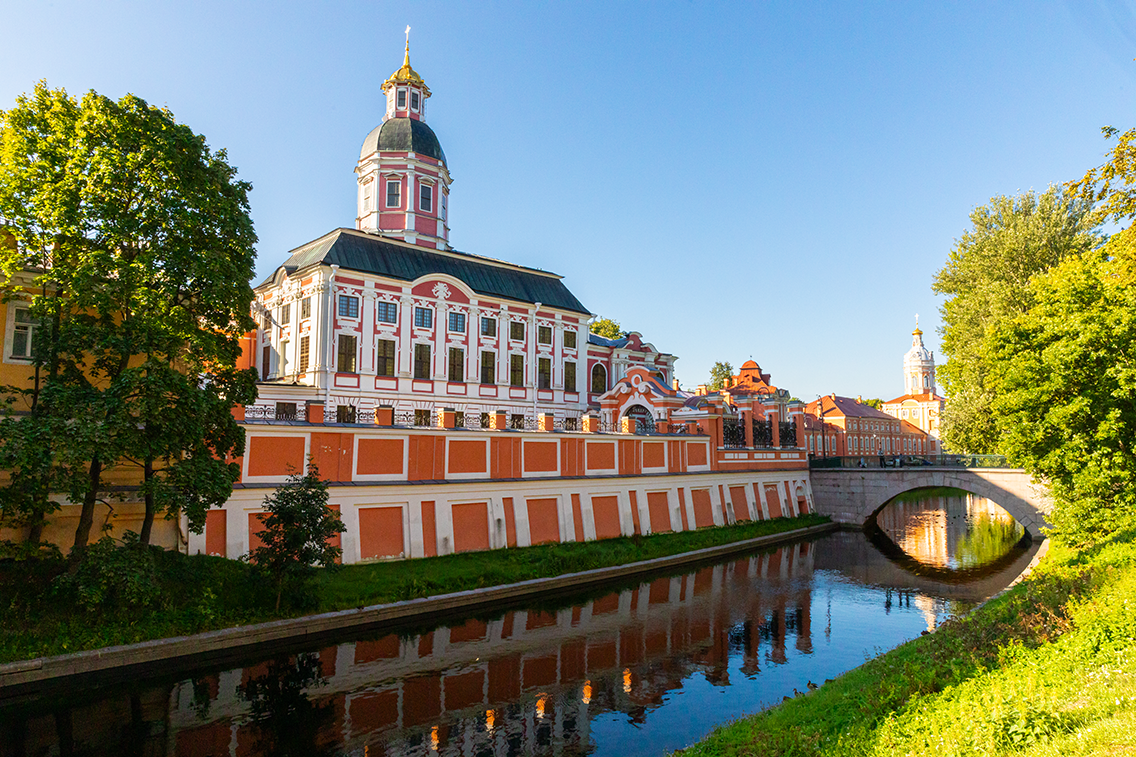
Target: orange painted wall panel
pixel 256 525
pixel 464 689
pixel 337 539
pixel 696 453
pixel 374 711
pixel 660 511
pixel 380 532
pixel 510 522
pixel 505 457
pixel 601 455
pixel 577 517
pixel 379 457
pixel 629 457
pixel 674 457
pixel 540 457
pixel 468 456
pixel 331 452
pixel 703 508
pixel 773 499
pixel 429 529
pixel 654 455
pixel 274 455
pixel 544 520
pixel 682 509
pixel 571 457
pixel 738 498
pixel 216 533
pixel 636 528
pixel 471 526
pixel 606 513
pixel 368 650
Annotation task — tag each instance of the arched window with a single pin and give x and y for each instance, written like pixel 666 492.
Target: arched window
pixel 599 379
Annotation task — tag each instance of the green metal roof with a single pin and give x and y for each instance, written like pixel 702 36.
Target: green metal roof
pixel 357 251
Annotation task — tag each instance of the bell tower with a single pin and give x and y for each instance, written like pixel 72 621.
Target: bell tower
pixel 403 180
pixel 919 365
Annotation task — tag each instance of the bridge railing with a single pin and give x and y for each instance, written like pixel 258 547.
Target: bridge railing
pixel 910 461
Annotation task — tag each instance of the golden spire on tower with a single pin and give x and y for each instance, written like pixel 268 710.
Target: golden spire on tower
pixel 406 74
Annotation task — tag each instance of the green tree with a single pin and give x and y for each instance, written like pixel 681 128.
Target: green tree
pixel 986 283
pixel 607 328
pixel 134 249
pixel 874 402
pixel 719 372
pixel 1064 373
pixel 297 531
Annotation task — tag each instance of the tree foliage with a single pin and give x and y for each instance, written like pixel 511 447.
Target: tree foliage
pixel 719 373
pixel 986 284
pixel 297 530
pixel 1064 373
pixel 607 328
pixel 133 249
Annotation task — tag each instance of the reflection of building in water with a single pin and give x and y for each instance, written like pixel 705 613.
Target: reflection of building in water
pixel 949 531
pixel 930 609
pixel 530 682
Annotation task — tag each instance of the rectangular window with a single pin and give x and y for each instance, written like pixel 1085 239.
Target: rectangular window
pixel 401 99
pixel 517 331
pixel 426 198
pixel 345 360
pixel 442 209
pixel 348 306
pixel 422 417
pixel 285 314
pixel 304 353
pixel 569 376
pixel 285 411
pixel 394 193
pixel 570 340
pixel 457 323
pixel 414 101
pixel 517 421
pixel 384 357
pixel 24 334
pixel 484 420
pixel 386 312
pixel 265 362
pixel 488 368
pixel 345 414
pixel 544 334
pixel 489 327
pixel 423 318
pixel 457 364
pixel 421 361
pixel 368 198
pixel 305 308
pixel 543 373
pixel 516 370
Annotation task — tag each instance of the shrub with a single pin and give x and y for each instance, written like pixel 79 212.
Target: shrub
pixel 113 576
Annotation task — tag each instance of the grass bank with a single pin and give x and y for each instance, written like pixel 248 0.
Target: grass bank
pixel 1049 668
pixel 200 593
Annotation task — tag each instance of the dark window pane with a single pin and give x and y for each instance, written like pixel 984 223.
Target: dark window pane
pixel 544 373
pixel 386 312
pixel 345 362
pixel 488 368
pixel 570 339
pixel 544 335
pixel 348 306
pixel 516 370
pixel 457 364
pixel 569 376
pixel 421 361
pixel 517 331
pixel 489 327
pixel 384 358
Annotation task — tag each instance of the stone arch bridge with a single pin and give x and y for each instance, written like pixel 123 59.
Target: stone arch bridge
pixel 853 495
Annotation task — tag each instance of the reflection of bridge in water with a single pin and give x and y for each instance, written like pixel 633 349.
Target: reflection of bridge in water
pixel 527 682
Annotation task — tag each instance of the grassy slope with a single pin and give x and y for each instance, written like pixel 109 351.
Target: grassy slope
pixel 1049 668
pixel 203 593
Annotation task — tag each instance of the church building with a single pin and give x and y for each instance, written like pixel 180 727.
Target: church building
pixel 921 406
pixel 389 315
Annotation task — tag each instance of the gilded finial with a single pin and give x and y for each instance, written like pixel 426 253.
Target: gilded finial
pixel 917 332
pixel 405 74
pixel 406 58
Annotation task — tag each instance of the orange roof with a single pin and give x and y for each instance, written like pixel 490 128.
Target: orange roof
pixel 924 397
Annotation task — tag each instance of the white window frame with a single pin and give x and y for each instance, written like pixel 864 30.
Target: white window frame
pixel 384 303
pixel 423 187
pixel 387 196
pixel 401 95
pixel 415 95
pixel 339 311
pixel 450 322
pixel 414 315
pixel 10 334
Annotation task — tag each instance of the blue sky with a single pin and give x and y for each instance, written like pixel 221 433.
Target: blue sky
pixel 769 180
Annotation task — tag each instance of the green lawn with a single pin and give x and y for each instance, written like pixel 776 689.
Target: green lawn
pixel 201 593
pixel 1049 668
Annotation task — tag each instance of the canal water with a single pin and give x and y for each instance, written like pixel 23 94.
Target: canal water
pixel 638 669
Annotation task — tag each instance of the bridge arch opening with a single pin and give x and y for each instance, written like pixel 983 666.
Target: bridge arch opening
pixel 947 532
